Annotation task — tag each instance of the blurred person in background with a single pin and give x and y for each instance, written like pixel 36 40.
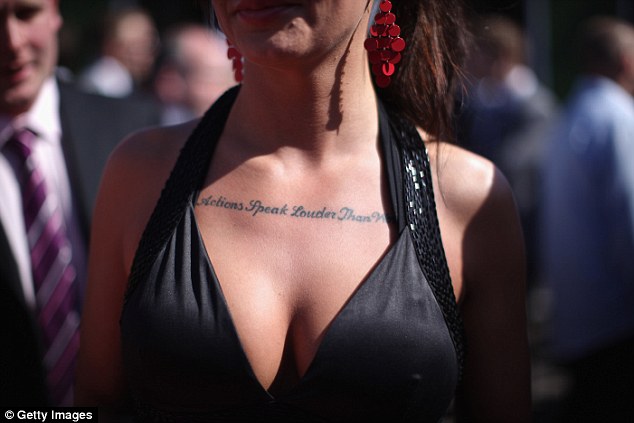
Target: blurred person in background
pixel 506 115
pixel 192 72
pixel 588 227
pixel 129 47
pixel 54 141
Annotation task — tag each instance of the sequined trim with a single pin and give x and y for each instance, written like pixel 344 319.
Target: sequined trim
pixel 422 219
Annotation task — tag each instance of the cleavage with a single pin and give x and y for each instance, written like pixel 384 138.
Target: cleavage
pixel 293 337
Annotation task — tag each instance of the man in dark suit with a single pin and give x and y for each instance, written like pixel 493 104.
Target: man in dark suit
pixel 74 134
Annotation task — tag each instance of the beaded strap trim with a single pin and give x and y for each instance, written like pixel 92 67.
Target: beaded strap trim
pixel 425 231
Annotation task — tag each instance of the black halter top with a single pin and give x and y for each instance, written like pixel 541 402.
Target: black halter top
pixel 393 353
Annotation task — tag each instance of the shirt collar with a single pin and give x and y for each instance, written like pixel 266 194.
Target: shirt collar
pixel 43 118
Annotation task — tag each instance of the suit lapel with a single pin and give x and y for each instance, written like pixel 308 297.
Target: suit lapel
pixel 11 283
pixel 74 156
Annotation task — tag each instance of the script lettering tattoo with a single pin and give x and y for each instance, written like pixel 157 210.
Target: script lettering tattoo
pixel 220 202
pixel 258 207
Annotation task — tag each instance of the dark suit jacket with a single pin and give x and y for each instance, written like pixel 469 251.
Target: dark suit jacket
pixel 91 126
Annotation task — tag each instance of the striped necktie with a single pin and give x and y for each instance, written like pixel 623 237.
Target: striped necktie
pixel 53 272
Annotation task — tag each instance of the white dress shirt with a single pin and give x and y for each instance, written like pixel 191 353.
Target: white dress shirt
pixel 107 76
pixel 44 120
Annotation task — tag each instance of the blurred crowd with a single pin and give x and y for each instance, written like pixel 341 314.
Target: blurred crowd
pixel 184 68
pixel 569 162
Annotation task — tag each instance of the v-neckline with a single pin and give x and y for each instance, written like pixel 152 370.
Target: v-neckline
pixel 327 331
pixel 389 154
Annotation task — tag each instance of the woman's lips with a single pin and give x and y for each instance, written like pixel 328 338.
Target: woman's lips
pixel 261 15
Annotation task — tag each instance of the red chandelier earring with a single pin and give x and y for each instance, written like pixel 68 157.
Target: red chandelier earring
pixel 384 45
pixel 236 58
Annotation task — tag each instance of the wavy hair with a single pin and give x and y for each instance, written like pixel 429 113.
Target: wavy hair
pixel 431 69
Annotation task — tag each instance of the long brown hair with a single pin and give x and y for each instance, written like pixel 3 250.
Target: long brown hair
pixel 424 87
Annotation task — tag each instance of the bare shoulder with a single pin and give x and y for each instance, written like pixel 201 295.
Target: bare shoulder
pixel 467 184
pixel 133 179
pixel 478 219
pixel 141 162
pixel 144 149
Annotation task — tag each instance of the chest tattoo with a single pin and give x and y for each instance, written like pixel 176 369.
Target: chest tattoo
pixel 257 207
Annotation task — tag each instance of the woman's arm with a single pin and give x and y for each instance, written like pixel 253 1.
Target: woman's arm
pixel 496 384
pixel 486 256
pixel 99 375
pixel 130 187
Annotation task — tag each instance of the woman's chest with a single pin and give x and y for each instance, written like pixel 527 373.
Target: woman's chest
pixel 390 329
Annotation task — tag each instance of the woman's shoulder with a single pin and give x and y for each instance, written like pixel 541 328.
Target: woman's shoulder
pixel 478 213
pixel 148 146
pixel 467 184
pixel 148 154
pixel 134 177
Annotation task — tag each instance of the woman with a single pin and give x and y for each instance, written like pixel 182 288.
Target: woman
pixel 293 268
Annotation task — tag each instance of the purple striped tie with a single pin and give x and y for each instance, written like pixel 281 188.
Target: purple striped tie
pixel 53 272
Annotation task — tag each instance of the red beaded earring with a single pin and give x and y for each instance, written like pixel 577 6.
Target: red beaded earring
pixel 384 45
pixel 236 57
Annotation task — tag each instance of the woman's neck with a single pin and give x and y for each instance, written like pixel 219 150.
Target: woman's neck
pixel 328 108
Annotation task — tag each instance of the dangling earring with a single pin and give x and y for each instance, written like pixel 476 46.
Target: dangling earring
pixel 236 57
pixel 384 45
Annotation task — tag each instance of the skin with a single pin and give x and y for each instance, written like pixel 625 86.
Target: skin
pixel 134 44
pixel 197 71
pixel 286 279
pixel 28 51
